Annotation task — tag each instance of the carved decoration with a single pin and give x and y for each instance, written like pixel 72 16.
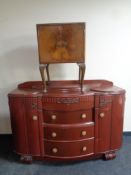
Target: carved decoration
pixel 67 100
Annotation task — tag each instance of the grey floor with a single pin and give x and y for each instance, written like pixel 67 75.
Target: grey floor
pixel 119 166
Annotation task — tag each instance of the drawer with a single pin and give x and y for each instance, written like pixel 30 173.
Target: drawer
pixel 69 149
pixel 68 103
pixel 69 132
pixel 63 117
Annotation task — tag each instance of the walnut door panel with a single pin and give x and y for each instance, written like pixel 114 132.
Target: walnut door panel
pixel 69 149
pixel 61 43
pixel 68 132
pixel 65 117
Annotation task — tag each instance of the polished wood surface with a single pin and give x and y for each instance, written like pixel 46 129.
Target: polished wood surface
pixel 68 132
pixel 68 117
pixel 46 125
pixel 69 149
pixel 61 43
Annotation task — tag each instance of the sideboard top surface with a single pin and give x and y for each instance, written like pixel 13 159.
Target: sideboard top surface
pixel 66 88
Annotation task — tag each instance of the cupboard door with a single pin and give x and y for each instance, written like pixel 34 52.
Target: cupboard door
pixel 117 121
pixel 103 116
pixel 32 119
pixel 18 124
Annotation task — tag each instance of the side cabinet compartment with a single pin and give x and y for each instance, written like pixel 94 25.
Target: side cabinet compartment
pixel 103 116
pixel 19 125
pixel 25 125
pixel 32 119
pixel 117 121
pixel 109 111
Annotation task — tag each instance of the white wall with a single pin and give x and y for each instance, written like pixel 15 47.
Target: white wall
pixel 108 44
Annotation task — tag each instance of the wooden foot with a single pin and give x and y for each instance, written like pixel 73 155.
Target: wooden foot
pixel 110 155
pixel 26 159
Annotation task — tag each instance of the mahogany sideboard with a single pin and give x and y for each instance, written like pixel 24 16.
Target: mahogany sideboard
pixel 65 124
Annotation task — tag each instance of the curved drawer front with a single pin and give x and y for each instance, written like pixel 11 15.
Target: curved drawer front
pixel 69 149
pixel 68 103
pixel 68 132
pixel 63 117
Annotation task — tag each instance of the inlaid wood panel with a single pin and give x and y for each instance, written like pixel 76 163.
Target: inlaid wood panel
pixel 61 43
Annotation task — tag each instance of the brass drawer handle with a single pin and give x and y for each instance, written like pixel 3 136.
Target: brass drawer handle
pixel 102 114
pixel 54 150
pixel 83 133
pixel 53 117
pixel 84 148
pixel 35 117
pixel 53 134
pixel 83 116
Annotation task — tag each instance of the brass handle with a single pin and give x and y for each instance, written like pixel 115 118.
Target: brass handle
pixel 53 117
pixel 54 150
pixel 53 134
pixel 83 116
pixel 102 114
pixel 83 133
pixel 34 117
pixel 84 148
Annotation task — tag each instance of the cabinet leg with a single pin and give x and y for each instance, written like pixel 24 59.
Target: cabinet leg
pixel 110 155
pixel 26 159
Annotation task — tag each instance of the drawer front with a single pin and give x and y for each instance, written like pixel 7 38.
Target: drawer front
pixel 63 117
pixel 69 149
pixel 69 132
pixel 68 103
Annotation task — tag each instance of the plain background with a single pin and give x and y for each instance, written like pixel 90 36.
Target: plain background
pixel 108 44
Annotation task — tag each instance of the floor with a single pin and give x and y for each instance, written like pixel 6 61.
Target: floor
pixel 9 165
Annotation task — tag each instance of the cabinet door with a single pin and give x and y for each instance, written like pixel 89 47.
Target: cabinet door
pixel 18 124
pixel 117 120
pixel 25 122
pixel 32 119
pixel 103 124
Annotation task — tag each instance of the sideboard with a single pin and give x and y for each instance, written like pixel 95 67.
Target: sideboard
pixel 64 124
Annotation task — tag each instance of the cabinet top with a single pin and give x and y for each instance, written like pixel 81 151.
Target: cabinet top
pixel 66 88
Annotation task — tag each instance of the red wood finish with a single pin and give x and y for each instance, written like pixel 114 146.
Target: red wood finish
pixel 19 125
pixel 46 125
pixel 69 132
pixel 32 120
pixel 103 124
pixel 117 121
pixel 68 103
pixel 69 149
pixel 66 117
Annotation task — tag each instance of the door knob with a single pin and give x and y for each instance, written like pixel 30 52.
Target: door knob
pixel 34 117
pixel 53 117
pixel 102 114
pixel 84 148
pixel 53 134
pixel 83 133
pixel 54 150
pixel 83 116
